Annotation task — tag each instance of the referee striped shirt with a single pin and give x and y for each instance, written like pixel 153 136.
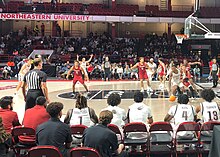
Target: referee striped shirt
pixel 34 78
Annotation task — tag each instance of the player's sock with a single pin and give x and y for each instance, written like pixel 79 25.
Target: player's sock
pixel 192 92
pixel 179 91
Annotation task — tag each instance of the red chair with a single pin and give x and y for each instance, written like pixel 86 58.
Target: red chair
pixel 44 151
pixel 84 152
pixel 78 129
pixel 136 129
pixel 161 141
pixel 187 146
pixel 117 131
pixel 77 132
pixel 26 143
pixel 206 135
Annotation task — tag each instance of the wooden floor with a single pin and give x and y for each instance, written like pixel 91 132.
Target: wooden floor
pixel 159 106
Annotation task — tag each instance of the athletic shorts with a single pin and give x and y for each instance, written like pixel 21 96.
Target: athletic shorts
pixel 161 74
pixel 76 79
pixel 186 82
pixel 190 76
pixel 143 76
pixel 20 77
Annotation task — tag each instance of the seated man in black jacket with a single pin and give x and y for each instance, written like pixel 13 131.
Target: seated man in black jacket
pixel 103 139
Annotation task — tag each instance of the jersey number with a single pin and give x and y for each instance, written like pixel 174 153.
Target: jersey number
pixel 184 115
pixel 215 115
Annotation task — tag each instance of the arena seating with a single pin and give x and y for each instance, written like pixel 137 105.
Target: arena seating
pixel 158 135
pixel 101 9
pixel 47 151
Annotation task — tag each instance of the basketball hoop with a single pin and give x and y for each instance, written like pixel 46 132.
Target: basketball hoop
pixel 180 37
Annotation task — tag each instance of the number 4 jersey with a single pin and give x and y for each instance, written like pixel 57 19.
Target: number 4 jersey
pixel 182 113
pixel 210 111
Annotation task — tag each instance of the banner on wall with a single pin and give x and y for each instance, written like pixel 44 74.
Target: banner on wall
pixel 42 17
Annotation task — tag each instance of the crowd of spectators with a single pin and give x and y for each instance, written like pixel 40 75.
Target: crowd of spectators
pixel 122 52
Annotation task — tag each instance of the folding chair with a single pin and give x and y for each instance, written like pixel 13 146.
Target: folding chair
pixel 77 133
pixel 206 136
pixel 187 146
pixel 161 141
pixel 136 129
pixel 26 142
pixel 44 151
pixel 84 152
pixel 117 131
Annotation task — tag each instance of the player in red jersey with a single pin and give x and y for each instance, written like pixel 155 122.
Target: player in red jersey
pixel 186 81
pixel 78 71
pixel 161 73
pixel 142 67
pixel 188 74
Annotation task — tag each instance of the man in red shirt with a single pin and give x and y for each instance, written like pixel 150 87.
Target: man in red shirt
pixel 36 115
pixel 9 117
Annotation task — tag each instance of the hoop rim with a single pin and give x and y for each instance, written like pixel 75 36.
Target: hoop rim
pixel 184 36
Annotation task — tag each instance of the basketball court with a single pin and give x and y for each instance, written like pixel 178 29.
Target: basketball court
pixel 60 91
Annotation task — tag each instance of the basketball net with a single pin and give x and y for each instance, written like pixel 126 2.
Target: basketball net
pixel 180 37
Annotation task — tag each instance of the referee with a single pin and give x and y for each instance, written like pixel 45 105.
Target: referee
pixel 35 80
pixel 215 72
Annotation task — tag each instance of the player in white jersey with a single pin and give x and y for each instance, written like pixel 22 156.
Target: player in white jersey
pixel 81 114
pixel 84 64
pixel 119 115
pixel 175 83
pixel 153 68
pixel 139 112
pixel 209 109
pixel 182 112
pixel 24 69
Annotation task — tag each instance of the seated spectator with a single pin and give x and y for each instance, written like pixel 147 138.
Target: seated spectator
pixel 54 132
pixel 120 72
pixel 7 72
pixel 103 139
pixel 119 115
pixel 139 112
pixel 9 117
pixel 81 114
pixel 182 112
pixel 196 72
pixel 134 73
pixel 96 72
pixel 4 140
pixel 36 115
pixel 209 109
pixel 127 72
pixel 114 71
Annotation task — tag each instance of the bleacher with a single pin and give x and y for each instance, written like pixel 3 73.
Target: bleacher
pixel 101 9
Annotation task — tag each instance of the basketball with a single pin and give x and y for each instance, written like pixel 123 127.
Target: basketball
pixel 172 98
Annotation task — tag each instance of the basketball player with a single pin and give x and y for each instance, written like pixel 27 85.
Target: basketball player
pixel 153 68
pixel 84 64
pixel 142 66
pixel 209 109
pixel 174 80
pixel 24 69
pixel 161 73
pixel 182 112
pixel 185 80
pixel 78 71
pixel 188 74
